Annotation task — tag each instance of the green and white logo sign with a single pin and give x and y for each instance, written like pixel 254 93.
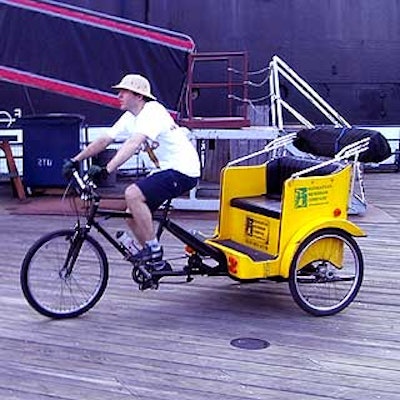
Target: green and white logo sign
pixel 311 196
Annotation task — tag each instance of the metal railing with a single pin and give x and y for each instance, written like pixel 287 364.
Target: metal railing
pixel 279 68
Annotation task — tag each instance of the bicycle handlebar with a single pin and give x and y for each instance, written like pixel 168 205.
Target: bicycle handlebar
pixel 86 186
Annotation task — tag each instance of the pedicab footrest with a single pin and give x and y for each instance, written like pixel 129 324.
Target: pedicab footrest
pixel 255 255
pixel 264 205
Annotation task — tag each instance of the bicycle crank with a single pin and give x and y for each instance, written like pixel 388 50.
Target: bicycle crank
pixel 143 277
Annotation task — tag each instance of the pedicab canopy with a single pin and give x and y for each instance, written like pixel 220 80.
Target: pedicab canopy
pixel 327 141
pixel 59 58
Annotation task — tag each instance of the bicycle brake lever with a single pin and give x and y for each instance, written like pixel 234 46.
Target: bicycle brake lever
pixel 88 181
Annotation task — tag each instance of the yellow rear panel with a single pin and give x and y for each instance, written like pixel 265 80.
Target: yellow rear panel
pixel 308 198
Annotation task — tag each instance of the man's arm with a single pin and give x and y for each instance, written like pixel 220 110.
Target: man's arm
pixel 126 151
pixel 93 148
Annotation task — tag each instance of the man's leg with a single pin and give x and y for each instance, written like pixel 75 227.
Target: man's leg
pixel 142 227
pixel 141 223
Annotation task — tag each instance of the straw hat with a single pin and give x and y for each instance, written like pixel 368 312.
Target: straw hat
pixel 137 84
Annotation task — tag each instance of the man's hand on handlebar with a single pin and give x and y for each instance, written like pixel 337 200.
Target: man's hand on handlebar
pixel 96 173
pixel 68 168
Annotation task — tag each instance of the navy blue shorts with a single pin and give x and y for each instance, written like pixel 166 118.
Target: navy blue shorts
pixel 164 185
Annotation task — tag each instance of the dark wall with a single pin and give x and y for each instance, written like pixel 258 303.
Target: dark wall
pixel 349 50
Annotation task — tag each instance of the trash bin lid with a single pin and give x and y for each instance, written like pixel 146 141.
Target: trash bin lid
pixel 51 118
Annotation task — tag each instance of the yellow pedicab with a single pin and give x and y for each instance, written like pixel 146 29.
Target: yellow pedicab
pixel 283 220
pixel 286 220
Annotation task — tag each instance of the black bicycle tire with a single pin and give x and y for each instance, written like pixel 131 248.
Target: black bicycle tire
pixel 293 273
pixel 24 281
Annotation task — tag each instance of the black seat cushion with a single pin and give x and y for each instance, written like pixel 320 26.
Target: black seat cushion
pixel 280 169
pixel 263 205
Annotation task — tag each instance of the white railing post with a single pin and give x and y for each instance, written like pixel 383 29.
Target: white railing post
pixel 279 67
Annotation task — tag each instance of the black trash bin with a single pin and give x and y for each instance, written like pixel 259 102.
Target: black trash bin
pixel 48 139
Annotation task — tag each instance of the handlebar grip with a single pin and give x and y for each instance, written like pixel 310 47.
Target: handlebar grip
pixel 78 179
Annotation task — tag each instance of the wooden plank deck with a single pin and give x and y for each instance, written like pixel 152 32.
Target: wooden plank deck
pixel 174 343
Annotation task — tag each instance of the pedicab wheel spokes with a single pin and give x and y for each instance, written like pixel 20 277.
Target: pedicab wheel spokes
pixel 63 276
pixel 326 272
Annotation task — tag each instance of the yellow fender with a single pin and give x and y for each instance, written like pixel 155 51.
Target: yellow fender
pixel 307 230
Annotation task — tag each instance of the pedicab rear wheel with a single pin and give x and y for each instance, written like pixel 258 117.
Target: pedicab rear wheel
pixel 326 272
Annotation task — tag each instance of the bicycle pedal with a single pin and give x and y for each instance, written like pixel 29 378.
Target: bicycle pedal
pixel 159 266
pixel 148 284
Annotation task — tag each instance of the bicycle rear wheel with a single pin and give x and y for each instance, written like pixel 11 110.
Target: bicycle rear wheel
pixel 64 275
pixel 326 272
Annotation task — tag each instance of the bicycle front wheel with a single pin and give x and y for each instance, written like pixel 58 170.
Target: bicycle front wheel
pixel 64 275
pixel 326 272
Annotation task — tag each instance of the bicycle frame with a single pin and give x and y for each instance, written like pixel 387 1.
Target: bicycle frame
pixel 197 246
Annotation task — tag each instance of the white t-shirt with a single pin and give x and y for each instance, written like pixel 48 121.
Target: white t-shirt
pixel 174 151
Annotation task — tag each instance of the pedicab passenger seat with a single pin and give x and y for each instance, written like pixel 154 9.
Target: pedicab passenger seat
pixel 278 171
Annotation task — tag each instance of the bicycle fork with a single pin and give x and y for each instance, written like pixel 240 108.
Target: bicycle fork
pixel 73 252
